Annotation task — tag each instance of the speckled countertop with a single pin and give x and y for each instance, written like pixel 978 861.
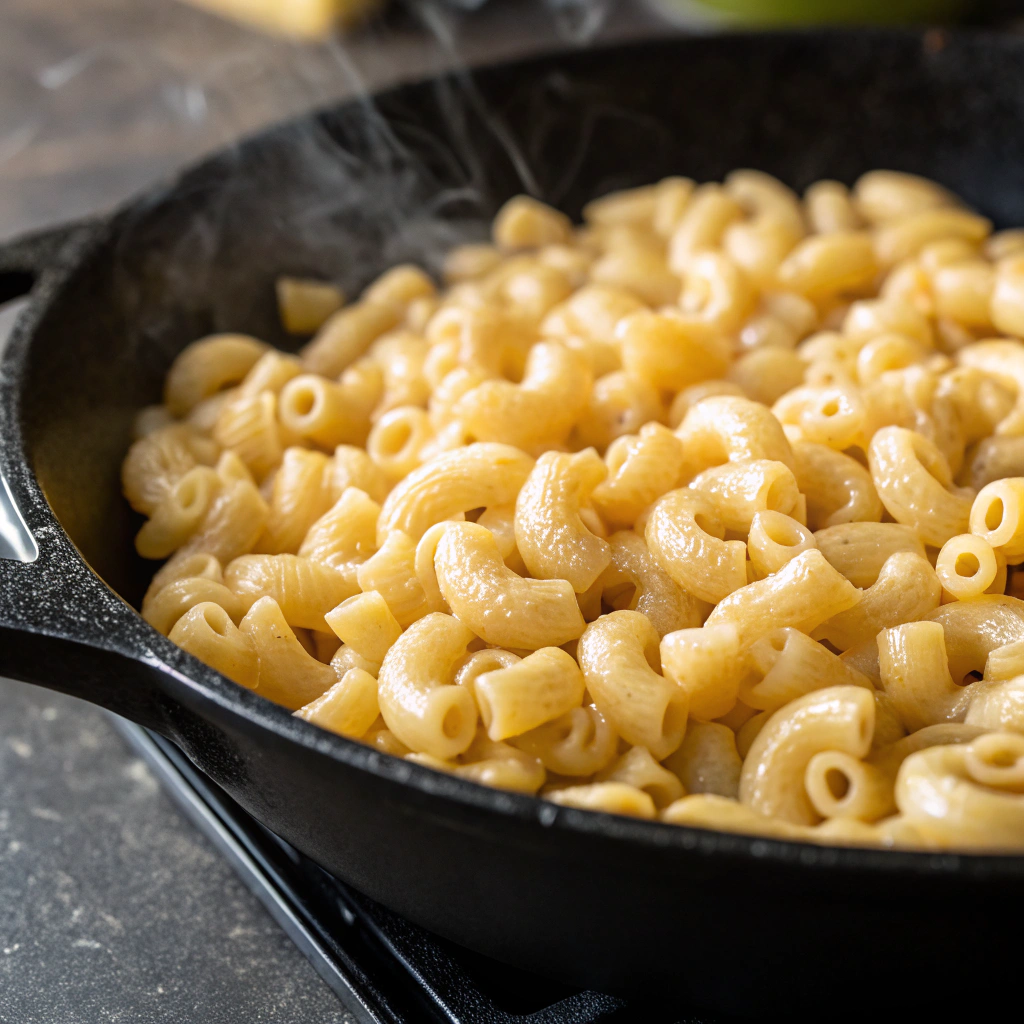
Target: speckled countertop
pixel 112 906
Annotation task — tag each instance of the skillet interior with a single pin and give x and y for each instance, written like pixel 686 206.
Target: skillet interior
pixel 352 191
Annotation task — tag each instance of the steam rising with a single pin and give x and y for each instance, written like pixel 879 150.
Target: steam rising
pixel 339 198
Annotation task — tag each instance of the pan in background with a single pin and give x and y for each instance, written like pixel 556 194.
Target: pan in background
pixel 733 922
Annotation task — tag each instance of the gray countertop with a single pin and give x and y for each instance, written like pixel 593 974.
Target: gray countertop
pixel 112 906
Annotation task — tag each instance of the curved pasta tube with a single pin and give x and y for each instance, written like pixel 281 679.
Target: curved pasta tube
pixel 206 631
pixel 527 223
pixel 787 664
pixel 775 539
pixel 641 468
pixel 829 208
pixel 610 797
pixel 345 536
pixel 208 366
pixel 180 567
pixel 913 480
pixel 398 441
pixel 822 267
pixel 418 700
pixel 997 517
pixel 805 592
pixel 365 624
pixel 391 571
pixel 1005 662
pixel 840 718
pixel 915 674
pixel 593 312
pixel 939 788
pixel 765 374
pixel 832 415
pixel 346 335
pixel 616 654
pixel 883 196
pixel 637 768
pixel 178 514
pixel 860 550
pixel 759 245
pixel 540 410
pixel 580 742
pixel 329 413
pixel 166 606
pixel 905 237
pixel 300 494
pixel 348 708
pixel 685 535
pixel 997 705
pixel 838 488
pixel 248 426
pixel 234 520
pixel 156 462
pixel 480 475
pixel 707 761
pixel 619 404
pixel 887 757
pixel 672 351
pixel 304 590
pixel 906 590
pixel 499 606
pixel 739 490
pixel 706 664
pixel 761 194
pixel 704 219
pixel 304 304
pixel 538 688
pixel 997 760
pixel 967 567
pixel 352 467
pixel 724 428
pixel 634 581
pixel 288 674
pixel 689 397
pixel 975 628
pixel 501 766
pixel 269 373
pixel 841 786
pixel 709 811
pixel 551 537
pixel 1004 361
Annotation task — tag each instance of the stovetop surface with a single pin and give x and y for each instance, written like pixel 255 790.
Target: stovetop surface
pixel 384 969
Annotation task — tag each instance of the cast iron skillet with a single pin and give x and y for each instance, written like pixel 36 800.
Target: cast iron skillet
pixel 726 921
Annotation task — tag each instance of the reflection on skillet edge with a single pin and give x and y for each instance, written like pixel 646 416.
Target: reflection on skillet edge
pixel 701 511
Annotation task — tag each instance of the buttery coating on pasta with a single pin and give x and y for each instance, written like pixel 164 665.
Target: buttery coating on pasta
pixel 708 510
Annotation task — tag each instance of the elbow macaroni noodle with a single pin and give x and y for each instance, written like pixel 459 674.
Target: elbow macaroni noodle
pixel 710 511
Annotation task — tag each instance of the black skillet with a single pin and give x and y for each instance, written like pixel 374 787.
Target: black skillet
pixel 726 921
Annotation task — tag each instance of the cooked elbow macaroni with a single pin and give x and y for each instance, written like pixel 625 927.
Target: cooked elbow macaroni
pixel 708 511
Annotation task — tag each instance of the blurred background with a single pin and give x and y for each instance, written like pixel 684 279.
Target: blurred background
pixel 99 97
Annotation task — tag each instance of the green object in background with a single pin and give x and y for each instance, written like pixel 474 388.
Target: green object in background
pixel 830 11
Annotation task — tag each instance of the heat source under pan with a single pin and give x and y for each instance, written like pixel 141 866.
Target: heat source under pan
pixel 726 921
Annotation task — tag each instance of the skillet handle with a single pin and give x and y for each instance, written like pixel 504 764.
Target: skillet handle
pixel 60 627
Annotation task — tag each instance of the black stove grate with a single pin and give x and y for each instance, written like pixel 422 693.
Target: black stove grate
pixel 384 969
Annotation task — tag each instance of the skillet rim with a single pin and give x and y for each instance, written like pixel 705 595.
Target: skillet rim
pixel 180 671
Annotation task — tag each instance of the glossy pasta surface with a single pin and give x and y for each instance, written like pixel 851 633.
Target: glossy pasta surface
pixel 708 510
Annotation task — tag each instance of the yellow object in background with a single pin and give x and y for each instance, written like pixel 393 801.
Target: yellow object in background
pixel 306 19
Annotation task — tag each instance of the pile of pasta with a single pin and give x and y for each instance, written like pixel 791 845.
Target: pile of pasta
pixel 699 511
